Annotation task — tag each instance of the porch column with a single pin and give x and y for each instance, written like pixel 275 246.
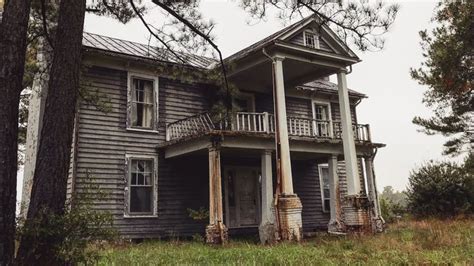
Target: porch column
pixel 334 225
pixel 288 204
pixel 377 219
pixel 267 229
pixel 216 232
pixel 352 173
pixel 354 205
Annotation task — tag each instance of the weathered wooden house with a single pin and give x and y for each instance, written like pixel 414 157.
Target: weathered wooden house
pixel 158 153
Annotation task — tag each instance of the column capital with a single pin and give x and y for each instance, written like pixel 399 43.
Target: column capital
pixel 278 58
pixel 333 156
pixel 267 152
pixel 342 71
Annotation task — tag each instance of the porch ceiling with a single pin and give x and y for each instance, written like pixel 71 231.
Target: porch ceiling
pixel 301 65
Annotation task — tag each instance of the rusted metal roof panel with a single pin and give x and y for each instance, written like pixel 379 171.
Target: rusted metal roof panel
pixel 124 47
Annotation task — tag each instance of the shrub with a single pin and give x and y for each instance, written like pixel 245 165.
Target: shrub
pixel 392 204
pixel 76 229
pixel 442 189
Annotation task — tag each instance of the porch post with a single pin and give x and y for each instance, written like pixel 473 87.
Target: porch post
pixel 377 220
pixel 352 173
pixel 216 232
pixel 354 206
pixel 334 225
pixel 267 229
pixel 288 204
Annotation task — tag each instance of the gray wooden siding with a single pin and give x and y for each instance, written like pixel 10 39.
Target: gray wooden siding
pixel 103 141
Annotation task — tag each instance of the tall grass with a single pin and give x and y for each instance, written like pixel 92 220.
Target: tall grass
pixel 408 242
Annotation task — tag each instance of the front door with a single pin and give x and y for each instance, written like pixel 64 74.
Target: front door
pixel 242 199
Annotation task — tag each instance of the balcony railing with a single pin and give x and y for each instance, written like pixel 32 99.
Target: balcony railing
pixel 263 123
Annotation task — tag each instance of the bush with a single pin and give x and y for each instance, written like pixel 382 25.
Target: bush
pixel 442 189
pixel 76 230
pixel 393 204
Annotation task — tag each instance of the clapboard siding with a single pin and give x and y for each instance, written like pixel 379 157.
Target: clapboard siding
pixel 103 141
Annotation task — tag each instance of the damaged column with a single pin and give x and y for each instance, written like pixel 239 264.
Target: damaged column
pixel 355 203
pixel 377 220
pixel 267 229
pixel 335 225
pixel 216 231
pixel 288 204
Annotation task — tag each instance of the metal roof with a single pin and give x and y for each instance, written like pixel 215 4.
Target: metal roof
pixel 123 47
pixel 325 85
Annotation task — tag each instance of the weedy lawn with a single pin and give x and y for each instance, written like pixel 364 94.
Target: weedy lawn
pixel 407 242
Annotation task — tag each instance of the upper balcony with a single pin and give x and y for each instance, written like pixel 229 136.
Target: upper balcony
pixel 262 124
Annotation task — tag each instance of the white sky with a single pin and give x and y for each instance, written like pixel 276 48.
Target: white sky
pixel 394 98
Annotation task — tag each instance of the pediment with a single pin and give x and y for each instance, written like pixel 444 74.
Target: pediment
pixel 324 38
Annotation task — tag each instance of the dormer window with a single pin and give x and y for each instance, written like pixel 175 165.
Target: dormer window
pixel 310 39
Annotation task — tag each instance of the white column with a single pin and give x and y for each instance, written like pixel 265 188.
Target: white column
pixel 352 173
pixel 216 232
pixel 281 121
pixel 36 108
pixel 267 229
pixel 372 191
pixel 334 191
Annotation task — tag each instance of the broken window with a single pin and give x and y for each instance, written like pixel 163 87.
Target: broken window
pixel 141 186
pixel 324 183
pixel 142 102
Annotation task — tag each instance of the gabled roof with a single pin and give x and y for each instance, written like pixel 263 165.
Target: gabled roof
pixel 128 48
pixel 284 34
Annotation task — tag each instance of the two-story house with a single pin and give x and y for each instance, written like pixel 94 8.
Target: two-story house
pixel 290 160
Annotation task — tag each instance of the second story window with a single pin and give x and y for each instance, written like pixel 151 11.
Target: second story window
pixel 310 39
pixel 142 103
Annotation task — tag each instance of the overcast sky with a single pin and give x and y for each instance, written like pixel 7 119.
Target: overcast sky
pixel 394 98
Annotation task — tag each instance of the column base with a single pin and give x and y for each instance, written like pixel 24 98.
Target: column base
pixel 356 210
pixel 336 227
pixel 216 234
pixel 268 233
pixel 289 214
pixel 378 224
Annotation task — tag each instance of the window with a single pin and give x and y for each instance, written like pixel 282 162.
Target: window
pixel 141 186
pixel 322 119
pixel 324 183
pixel 142 101
pixel 310 39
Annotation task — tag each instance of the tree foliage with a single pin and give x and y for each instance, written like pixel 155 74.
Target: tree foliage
pixel 447 70
pixel 442 189
pixel 393 204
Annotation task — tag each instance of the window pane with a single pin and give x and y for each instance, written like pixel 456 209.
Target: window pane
pixel 327 205
pixel 134 179
pixel 142 103
pixel 141 199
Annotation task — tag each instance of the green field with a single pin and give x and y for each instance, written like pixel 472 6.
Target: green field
pixel 410 242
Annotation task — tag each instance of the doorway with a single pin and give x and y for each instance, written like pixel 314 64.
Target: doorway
pixel 242 197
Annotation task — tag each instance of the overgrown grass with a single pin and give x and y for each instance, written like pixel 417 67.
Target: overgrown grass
pixel 408 242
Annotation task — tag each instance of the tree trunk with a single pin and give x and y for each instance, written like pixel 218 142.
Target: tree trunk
pixel 13 29
pixel 48 194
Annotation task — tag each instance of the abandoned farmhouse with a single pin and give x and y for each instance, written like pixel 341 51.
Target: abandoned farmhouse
pixel 290 158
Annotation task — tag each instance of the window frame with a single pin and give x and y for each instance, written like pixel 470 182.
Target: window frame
pixel 129 157
pixel 321 186
pixel 328 105
pixel 315 39
pixel 130 77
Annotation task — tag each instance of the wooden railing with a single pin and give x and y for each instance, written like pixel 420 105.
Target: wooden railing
pixel 189 126
pixel 262 123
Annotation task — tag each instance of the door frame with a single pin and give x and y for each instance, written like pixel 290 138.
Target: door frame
pixel 235 169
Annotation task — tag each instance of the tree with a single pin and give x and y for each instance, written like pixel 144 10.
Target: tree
pixel 448 72
pixel 49 183
pixel 13 27
pixel 442 189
